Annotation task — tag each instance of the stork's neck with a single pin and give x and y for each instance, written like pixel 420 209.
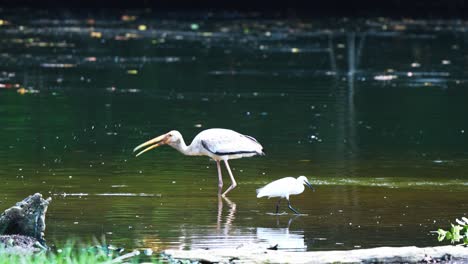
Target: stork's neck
pixel 183 148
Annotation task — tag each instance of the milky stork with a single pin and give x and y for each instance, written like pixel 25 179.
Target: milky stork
pixel 216 143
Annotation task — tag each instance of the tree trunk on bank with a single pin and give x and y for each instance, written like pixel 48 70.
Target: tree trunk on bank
pixel 255 254
pixel 23 225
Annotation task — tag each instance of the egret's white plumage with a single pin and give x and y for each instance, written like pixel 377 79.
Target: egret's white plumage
pixel 283 188
pixel 216 143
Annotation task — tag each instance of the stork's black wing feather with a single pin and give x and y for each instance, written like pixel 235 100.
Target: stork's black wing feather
pixel 222 153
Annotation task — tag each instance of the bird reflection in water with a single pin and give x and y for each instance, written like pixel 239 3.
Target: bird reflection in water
pixel 229 217
pixel 281 237
pixel 276 238
pixel 213 236
pixel 226 234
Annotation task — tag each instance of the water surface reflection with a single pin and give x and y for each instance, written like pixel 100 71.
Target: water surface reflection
pixel 372 111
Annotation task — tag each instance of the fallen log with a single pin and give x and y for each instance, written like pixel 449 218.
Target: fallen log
pixel 371 255
pixel 23 225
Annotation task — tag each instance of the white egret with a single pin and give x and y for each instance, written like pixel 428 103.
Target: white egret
pixel 216 143
pixel 284 187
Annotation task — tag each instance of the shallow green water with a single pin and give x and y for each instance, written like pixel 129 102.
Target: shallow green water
pixel 385 144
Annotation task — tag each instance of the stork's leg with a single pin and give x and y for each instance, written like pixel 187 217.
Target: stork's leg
pixel 277 205
pixel 220 212
pixel 234 183
pixel 232 212
pixel 220 178
pixel 292 209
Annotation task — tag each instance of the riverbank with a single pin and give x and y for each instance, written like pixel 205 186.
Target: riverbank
pixel 381 254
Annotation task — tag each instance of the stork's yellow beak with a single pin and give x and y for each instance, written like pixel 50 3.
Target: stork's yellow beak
pixel 155 142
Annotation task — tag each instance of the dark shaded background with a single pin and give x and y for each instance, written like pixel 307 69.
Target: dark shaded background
pixel 290 8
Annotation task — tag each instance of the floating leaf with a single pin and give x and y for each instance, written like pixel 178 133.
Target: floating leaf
pixel 22 91
pixel 194 26
pixel 95 34
pixel 128 18
pixel 295 50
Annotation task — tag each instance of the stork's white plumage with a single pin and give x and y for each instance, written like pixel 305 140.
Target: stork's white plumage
pixel 217 143
pixel 283 188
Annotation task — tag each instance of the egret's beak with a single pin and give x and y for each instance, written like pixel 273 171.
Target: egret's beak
pixel 309 185
pixel 155 142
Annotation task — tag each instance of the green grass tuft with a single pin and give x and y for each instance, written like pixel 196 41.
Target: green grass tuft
pixel 72 254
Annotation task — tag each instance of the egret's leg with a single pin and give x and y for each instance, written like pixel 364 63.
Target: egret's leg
pixel 277 205
pixel 220 178
pixel 292 220
pixel 234 183
pixel 292 209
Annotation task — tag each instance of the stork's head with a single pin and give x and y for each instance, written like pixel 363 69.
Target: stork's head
pixel 303 180
pixel 171 138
